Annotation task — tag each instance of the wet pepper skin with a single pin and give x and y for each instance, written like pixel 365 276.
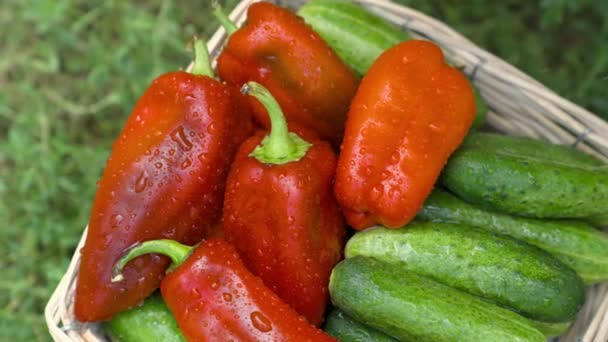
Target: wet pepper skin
pixel 285 222
pixel 279 50
pixel 164 179
pixel 410 113
pixel 214 297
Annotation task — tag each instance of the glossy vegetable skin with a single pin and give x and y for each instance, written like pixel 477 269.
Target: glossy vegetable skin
pixel 411 307
pixel 526 177
pixel 277 49
pixel 346 329
pixel 164 179
pixel 152 321
pixel 575 243
pixel 498 268
pixel 214 297
pixel 280 213
pixel 357 35
pixel 410 113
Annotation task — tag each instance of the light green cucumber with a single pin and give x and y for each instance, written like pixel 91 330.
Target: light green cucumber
pixel 357 35
pixel 150 322
pixel 551 330
pixel 527 178
pixel 411 307
pixel 495 267
pixel 346 329
pixel 574 243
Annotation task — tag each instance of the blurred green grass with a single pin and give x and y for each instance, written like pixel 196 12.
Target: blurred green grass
pixel 71 71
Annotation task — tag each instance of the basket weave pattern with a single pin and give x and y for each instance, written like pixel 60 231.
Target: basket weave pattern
pixel 518 104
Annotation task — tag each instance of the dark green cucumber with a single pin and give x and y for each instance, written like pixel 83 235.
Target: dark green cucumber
pixel 599 220
pixel 408 306
pixel 482 110
pixel 495 267
pixel 150 322
pixel 357 35
pixel 346 329
pixel 574 243
pixel 521 177
pixel 531 148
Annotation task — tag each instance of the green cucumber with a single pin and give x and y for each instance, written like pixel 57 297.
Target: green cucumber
pixel 599 220
pixel 408 306
pixel 152 321
pixel 551 330
pixel 482 110
pixel 528 178
pixel 574 243
pixel 346 329
pixel 495 267
pixel 357 35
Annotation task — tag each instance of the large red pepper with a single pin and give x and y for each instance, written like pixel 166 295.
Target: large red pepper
pixel 280 213
pixel 279 50
pixel 214 297
pixel 411 111
pixel 164 179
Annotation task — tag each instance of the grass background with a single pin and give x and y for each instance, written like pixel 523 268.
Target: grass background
pixel 71 70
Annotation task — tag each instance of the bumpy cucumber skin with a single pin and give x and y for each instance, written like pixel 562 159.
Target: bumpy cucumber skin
pixel 408 306
pixel 356 35
pixel 598 221
pixel 498 268
pixel 150 322
pixel 346 329
pixel 532 148
pixel 504 174
pixel 576 244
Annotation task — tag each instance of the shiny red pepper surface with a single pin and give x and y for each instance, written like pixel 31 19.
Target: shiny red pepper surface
pixel 279 50
pixel 214 297
pixel 164 179
pixel 285 222
pixel 410 113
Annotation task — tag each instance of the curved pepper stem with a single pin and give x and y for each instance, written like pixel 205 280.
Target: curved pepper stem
pixel 226 23
pixel 202 65
pixel 280 146
pixel 173 249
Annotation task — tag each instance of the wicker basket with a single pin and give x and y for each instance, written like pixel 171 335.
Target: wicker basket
pixel 518 104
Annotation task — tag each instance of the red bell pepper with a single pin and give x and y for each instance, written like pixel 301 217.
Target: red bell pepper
pixel 278 49
pixel 164 179
pixel 411 111
pixel 215 298
pixel 280 213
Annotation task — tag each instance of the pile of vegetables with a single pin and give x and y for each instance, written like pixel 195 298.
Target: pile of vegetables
pixel 234 196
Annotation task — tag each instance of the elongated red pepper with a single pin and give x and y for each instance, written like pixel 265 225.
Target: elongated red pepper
pixel 279 50
pixel 215 298
pixel 410 113
pixel 164 179
pixel 280 213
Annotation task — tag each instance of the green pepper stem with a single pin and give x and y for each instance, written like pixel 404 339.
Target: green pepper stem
pixel 202 65
pixel 280 146
pixel 226 23
pixel 173 249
